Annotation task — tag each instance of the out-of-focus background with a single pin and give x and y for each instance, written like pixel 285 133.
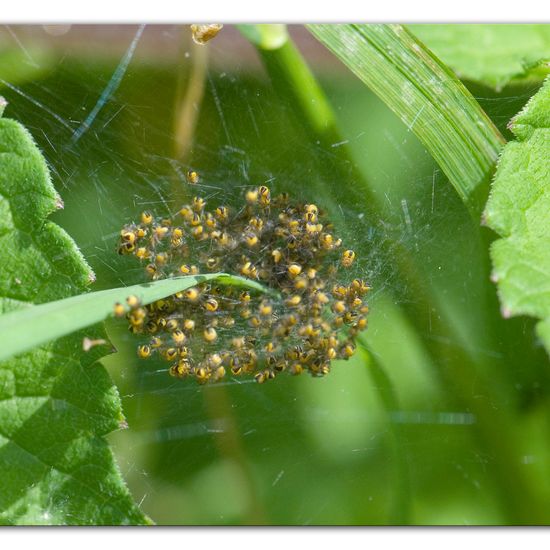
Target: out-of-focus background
pixel 121 113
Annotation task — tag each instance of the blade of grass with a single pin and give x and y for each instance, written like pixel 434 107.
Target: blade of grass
pixel 27 328
pixel 428 98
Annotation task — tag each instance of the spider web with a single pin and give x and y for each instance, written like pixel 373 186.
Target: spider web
pixel 103 104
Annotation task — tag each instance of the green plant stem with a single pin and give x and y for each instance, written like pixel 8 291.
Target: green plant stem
pixel 52 320
pixel 428 98
pixel 298 87
pixel 477 146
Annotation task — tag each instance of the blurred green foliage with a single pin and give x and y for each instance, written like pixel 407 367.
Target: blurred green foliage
pixel 300 450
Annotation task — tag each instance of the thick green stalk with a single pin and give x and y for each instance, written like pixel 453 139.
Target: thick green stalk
pixel 427 97
pixel 295 83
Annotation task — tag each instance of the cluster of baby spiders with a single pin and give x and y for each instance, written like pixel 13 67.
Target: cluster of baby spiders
pixel 209 330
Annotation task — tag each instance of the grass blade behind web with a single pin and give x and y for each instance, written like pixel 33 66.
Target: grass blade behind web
pixel 428 98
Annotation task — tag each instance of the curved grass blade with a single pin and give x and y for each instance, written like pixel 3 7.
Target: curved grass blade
pixel 428 98
pixel 56 319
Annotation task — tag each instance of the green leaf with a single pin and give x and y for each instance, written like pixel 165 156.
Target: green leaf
pixel 56 403
pixel 519 211
pixel 491 54
pixel 56 319
pixel 427 97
